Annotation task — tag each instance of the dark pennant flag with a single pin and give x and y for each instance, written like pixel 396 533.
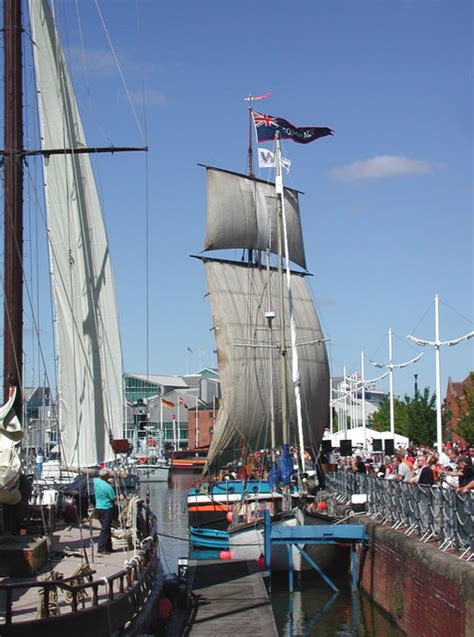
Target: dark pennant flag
pixel 267 125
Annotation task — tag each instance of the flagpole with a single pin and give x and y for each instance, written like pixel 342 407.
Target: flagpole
pixel 362 373
pixel 161 418
pixel 295 362
pixel 331 424
pixel 196 436
pixel 345 404
pixel 178 428
pixel 250 148
pixel 213 413
pixel 283 350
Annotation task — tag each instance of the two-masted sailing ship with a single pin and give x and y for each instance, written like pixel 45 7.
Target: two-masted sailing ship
pixel 51 578
pixel 271 351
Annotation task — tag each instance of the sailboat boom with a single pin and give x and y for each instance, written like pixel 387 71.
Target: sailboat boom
pixel 77 151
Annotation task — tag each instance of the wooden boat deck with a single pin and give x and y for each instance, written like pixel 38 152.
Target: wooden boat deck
pixel 228 598
pixel 69 548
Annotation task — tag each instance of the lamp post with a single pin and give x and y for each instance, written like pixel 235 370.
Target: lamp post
pixel 353 389
pixel 391 366
pixel 437 343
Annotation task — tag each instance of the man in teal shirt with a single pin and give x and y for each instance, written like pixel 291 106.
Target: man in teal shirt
pixel 104 504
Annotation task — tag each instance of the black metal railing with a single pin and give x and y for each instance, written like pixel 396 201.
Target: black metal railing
pixel 435 514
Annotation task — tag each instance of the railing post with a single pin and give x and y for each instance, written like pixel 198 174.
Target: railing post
pixel 353 567
pixel 291 586
pixel 95 594
pixel 267 538
pixel 74 600
pixel 8 610
pixel 46 600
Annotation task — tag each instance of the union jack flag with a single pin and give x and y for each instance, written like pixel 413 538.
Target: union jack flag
pixel 264 120
pixel 266 127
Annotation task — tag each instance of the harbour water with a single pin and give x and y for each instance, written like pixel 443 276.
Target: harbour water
pixel 314 610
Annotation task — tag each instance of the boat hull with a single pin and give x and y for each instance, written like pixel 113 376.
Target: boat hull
pixel 209 504
pixel 247 543
pixel 209 539
pixel 152 473
pixel 192 465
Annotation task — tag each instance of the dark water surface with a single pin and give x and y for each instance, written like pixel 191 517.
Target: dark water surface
pixel 313 611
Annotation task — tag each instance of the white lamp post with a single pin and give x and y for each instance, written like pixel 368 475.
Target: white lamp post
pixel 353 389
pixel 390 366
pixel 437 344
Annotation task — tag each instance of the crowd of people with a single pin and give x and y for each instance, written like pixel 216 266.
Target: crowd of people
pixel 453 468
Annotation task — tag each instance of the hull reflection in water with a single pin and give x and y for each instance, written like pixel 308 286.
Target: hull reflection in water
pixel 316 611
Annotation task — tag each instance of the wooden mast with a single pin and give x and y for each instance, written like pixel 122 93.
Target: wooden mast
pixel 13 202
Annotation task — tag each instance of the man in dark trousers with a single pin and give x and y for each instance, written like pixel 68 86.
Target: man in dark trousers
pixel 104 504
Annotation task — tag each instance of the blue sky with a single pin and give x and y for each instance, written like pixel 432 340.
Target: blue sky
pixel 388 207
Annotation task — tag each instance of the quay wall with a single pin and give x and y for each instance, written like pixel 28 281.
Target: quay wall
pixel 427 592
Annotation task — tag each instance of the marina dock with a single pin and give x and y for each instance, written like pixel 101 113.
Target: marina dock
pixel 228 597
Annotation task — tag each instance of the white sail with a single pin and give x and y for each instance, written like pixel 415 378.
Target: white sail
pixel 242 213
pixel 239 300
pixel 10 439
pixel 89 355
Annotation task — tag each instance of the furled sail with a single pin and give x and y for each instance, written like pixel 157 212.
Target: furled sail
pixel 242 213
pixel 10 463
pixel 89 355
pixel 239 299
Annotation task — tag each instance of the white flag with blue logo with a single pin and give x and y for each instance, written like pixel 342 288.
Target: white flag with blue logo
pixel 266 159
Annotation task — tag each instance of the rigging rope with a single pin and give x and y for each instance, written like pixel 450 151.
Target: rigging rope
pixel 114 54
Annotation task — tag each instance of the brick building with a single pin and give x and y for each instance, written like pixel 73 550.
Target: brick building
pixel 201 426
pixel 455 404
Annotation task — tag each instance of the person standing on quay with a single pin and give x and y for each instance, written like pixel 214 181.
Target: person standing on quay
pixel 104 504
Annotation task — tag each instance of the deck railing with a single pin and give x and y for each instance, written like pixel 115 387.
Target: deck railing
pixel 435 514
pixel 135 579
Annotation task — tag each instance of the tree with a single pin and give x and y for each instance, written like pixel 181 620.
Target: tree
pixel 465 424
pixel 415 417
pixel 421 417
pixel 380 419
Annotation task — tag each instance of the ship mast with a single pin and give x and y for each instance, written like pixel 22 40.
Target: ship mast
pixel 13 202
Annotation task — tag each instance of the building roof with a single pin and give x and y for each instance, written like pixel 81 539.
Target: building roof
pixel 168 381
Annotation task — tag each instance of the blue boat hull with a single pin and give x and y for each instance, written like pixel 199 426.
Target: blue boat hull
pixel 209 538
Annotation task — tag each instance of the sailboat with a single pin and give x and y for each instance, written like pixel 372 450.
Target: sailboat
pixel 71 588
pixel 267 332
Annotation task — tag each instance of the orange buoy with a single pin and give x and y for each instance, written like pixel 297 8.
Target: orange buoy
pixel 261 562
pixel 322 506
pixel 225 555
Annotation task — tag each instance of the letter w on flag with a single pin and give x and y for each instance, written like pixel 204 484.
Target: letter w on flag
pixel 266 159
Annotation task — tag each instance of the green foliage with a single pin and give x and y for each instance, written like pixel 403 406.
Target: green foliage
pixel 465 424
pixel 415 417
pixel 421 416
pixel 380 420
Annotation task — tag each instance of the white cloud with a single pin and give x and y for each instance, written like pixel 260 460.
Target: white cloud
pixel 152 97
pixel 97 62
pixel 383 166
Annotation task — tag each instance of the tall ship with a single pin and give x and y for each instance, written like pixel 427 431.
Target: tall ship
pixel 51 575
pixel 271 351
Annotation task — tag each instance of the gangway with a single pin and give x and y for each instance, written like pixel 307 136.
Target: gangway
pixel 298 536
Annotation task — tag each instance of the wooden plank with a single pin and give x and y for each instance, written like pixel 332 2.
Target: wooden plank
pixel 228 598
